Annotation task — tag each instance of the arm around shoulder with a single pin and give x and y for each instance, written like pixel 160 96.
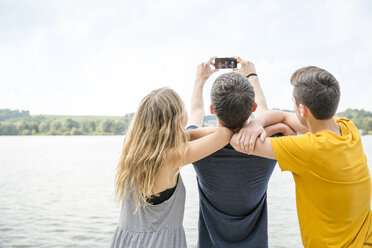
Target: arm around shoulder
pixel 200 132
pixel 261 148
pixel 207 144
pixel 271 117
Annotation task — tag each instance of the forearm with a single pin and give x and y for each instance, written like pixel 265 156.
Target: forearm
pixel 248 68
pixel 204 146
pixel 259 95
pixel 262 149
pixel 223 135
pixel 203 72
pixel 200 132
pixel 272 117
pixel 247 138
pixel 197 104
pixel 279 128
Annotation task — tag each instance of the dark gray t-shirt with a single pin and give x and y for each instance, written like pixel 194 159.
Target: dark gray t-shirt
pixel 232 199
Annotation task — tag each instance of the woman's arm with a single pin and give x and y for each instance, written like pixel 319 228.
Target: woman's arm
pixel 200 132
pixel 206 143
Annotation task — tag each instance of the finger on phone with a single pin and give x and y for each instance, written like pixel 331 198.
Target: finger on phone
pixel 211 60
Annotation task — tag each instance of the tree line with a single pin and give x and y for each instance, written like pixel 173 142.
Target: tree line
pixel 361 118
pixel 15 122
pixel 10 114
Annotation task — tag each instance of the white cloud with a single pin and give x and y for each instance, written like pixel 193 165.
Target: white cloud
pixel 93 57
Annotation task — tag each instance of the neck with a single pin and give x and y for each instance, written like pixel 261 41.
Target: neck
pixel 315 126
pixel 219 124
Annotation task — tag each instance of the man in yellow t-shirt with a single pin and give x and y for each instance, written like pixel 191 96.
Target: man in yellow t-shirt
pixel 333 183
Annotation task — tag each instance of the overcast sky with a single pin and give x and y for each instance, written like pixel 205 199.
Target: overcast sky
pixel 101 57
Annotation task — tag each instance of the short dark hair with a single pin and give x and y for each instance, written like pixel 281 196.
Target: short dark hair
pixel 318 90
pixel 232 98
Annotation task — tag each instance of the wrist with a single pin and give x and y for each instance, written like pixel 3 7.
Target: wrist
pixel 259 122
pixel 251 75
pixel 200 82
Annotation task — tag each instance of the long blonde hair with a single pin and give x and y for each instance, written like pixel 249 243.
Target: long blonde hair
pixel 156 134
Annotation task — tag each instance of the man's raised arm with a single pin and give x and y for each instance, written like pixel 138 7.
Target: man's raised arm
pixel 204 71
pixel 247 69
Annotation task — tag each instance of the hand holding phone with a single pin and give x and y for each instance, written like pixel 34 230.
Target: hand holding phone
pixel 246 67
pixel 204 71
pixel 225 63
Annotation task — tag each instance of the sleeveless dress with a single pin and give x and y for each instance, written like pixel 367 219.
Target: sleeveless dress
pixel 155 226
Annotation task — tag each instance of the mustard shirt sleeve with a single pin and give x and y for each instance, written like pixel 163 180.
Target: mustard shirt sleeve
pixel 292 152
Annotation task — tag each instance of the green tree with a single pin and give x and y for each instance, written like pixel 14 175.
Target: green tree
pixel 8 129
pixel 34 127
pixel 106 126
pixel 89 126
pixel 11 114
pixel 120 126
pixel 70 123
pixel 56 127
pixel 44 126
pixel 21 126
pixel 367 125
pixel 75 131
pixel 361 118
pixel 26 132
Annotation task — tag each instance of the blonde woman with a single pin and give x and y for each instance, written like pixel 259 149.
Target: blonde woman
pixel 148 180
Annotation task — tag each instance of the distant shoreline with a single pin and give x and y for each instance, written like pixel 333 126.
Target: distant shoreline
pixel 21 123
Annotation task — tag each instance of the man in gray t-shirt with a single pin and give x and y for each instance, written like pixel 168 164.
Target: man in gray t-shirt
pixel 232 186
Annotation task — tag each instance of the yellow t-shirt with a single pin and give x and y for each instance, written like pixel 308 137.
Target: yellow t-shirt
pixel 333 186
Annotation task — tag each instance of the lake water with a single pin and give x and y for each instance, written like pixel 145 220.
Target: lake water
pixel 57 191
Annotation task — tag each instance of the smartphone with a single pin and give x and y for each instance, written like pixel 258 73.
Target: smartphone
pixel 225 63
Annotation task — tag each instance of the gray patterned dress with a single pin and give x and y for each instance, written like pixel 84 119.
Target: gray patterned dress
pixel 155 226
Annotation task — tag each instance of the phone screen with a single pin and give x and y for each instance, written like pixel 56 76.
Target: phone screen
pixel 225 63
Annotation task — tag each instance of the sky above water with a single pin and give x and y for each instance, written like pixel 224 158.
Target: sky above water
pixel 102 57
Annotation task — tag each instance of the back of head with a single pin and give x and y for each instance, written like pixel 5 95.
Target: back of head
pixel 161 108
pixel 232 98
pixel 318 90
pixel 155 131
